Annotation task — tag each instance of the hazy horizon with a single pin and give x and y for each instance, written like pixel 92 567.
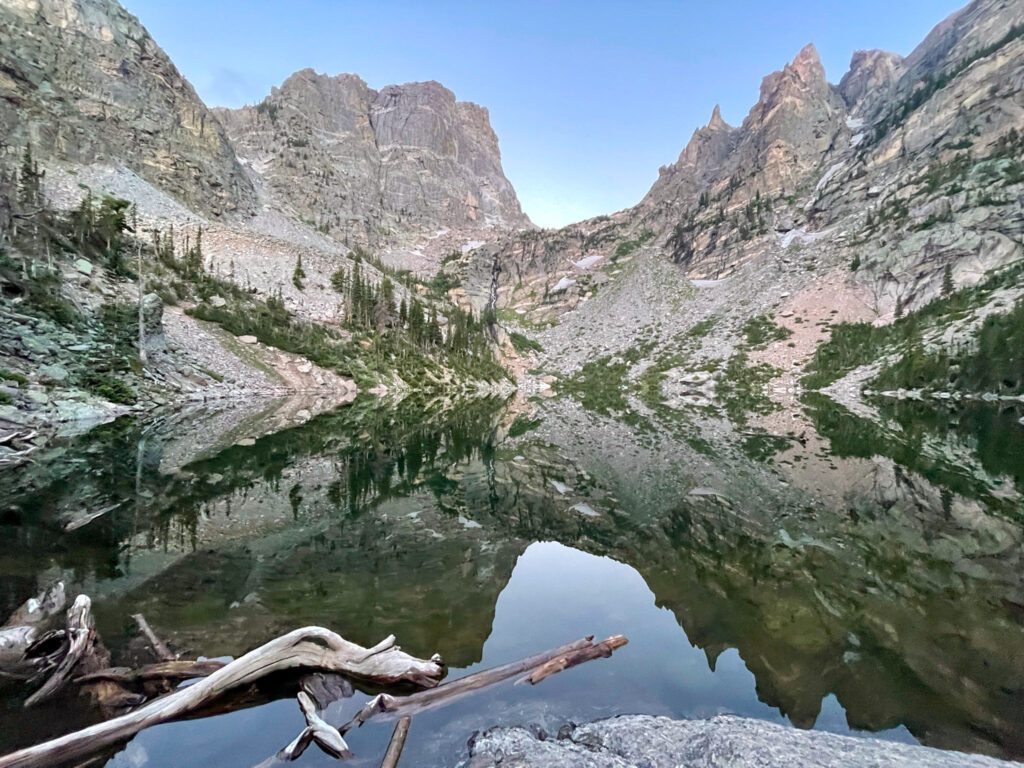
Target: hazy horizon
pixel 580 134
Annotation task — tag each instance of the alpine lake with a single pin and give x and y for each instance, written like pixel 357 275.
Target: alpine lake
pixel 853 574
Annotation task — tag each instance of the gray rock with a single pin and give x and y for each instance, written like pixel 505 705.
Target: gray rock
pixel 54 373
pixel 86 83
pixel 83 266
pixel 405 156
pixel 642 741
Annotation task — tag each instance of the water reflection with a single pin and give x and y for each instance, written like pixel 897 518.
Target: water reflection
pixel 897 610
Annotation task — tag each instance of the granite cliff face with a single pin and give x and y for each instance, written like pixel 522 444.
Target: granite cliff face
pixel 84 83
pixel 361 164
pixel 908 169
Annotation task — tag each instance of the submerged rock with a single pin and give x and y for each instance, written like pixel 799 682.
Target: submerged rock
pixel 722 742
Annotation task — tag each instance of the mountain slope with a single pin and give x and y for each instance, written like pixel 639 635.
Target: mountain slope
pixel 83 82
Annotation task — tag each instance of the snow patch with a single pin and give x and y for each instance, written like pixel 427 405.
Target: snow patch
pixel 854 123
pixel 561 487
pixel 472 245
pixel 587 262
pixel 856 139
pixel 801 236
pixel 563 285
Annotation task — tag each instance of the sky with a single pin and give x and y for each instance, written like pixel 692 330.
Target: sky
pixel 588 99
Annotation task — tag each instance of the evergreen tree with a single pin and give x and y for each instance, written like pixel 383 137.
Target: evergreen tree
pixel 298 274
pixel 947 281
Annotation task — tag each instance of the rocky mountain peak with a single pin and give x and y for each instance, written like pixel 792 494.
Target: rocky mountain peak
pixel 716 123
pixel 871 72
pixel 362 163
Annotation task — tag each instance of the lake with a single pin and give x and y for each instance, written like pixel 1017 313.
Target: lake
pixel 857 575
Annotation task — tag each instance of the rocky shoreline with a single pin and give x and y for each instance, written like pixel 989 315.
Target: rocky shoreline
pixel 724 741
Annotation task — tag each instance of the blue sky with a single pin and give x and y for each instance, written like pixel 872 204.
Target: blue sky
pixel 588 98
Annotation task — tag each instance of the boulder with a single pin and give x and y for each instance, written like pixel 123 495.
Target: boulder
pixel 725 741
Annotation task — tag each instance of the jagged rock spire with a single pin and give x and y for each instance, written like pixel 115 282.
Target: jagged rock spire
pixel 716 121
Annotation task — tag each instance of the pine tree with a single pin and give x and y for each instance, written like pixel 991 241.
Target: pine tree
pixel 947 282
pixel 298 274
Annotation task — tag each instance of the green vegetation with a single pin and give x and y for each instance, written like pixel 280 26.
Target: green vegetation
pixel 992 363
pixel 17 378
pixel 298 274
pixel 522 425
pixel 742 388
pixel 524 344
pixel 760 331
pixel 627 247
pixel 701 329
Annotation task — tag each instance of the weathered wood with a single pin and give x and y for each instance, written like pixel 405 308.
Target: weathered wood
pixel 397 743
pixel 24 628
pixel 163 653
pixel 310 648
pixel 604 649
pixel 317 731
pixel 174 671
pixel 80 634
pixel 390 706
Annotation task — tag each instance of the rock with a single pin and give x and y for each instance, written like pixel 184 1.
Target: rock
pixel 248 339
pixel 83 266
pixel 725 741
pixel 150 118
pixel 53 373
pixel 218 301
pixel 246 442
pixel 405 156
pixel 303 415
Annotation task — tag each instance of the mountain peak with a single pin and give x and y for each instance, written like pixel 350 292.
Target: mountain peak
pixel 807 64
pixel 716 121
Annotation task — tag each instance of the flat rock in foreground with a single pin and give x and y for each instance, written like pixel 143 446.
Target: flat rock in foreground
pixel 722 742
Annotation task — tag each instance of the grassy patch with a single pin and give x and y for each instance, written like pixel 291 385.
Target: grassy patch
pixel 760 331
pixel 522 425
pixel 742 389
pixel 524 344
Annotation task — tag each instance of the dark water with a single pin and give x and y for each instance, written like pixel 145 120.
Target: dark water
pixel 865 581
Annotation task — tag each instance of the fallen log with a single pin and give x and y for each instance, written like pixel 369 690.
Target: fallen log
pixel 310 648
pixel 397 743
pixel 387 705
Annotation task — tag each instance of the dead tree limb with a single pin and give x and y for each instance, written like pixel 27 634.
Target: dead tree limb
pixel 386 705
pixel 604 649
pixel 397 743
pixel 309 648
pixel 163 653
pixel 317 731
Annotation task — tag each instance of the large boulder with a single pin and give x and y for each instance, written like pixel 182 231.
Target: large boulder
pixel 725 741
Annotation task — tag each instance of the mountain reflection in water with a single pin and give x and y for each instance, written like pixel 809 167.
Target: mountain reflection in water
pixel 889 602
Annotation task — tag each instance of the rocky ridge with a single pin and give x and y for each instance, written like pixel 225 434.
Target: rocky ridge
pixel 364 165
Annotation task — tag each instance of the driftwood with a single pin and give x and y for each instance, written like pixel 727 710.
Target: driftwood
pixel 24 631
pixel 397 743
pixel 604 649
pixel 163 653
pixel 386 705
pixel 318 731
pixel 80 634
pixel 310 648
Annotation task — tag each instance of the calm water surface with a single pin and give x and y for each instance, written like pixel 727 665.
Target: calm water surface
pixel 864 579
